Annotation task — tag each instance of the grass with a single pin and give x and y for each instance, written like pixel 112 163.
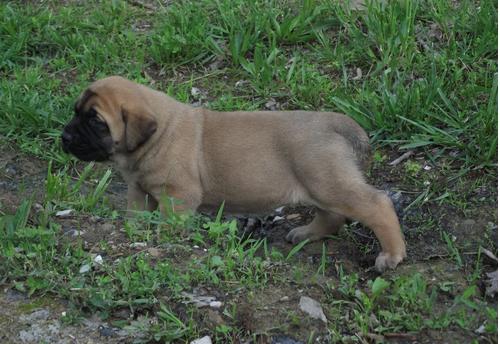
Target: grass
pixel 417 76
pixel 428 69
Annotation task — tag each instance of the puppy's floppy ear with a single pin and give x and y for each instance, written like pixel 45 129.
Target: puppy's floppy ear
pixel 140 125
pixel 84 98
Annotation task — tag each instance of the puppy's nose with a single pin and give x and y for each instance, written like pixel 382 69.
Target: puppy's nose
pixel 66 137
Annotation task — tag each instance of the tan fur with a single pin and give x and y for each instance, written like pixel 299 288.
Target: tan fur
pixel 254 161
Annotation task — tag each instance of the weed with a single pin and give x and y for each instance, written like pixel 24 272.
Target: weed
pixel 405 304
pixel 452 248
pixel 63 192
pixel 231 258
pixel 296 249
pixel 167 328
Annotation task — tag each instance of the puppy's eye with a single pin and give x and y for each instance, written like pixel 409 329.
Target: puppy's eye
pixel 96 121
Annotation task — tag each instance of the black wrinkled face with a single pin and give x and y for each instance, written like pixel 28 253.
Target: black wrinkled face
pixel 87 137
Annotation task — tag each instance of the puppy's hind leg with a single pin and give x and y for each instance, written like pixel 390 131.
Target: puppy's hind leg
pixel 373 208
pixel 324 223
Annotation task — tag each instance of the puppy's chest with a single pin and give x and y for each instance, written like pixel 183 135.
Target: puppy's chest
pixel 132 177
pixel 136 176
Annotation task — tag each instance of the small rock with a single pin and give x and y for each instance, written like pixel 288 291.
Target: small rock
pixel 312 307
pixel 492 283
pixel 98 259
pixel 359 74
pixel 427 168
pixel 279 210
pixel 203 340
pixel 10 170
pixel 93 323
pixel 292 216
pixel 240 83
pixel 106 331
pixel 215 304
pixel 108 227
pixel 153 251
pixel 138 244
pixel 271 104
pixel 395 196
pixel 199 300
pixel 14 295
pixel 195 92
pixel 121 332
pixel 74 233
pixel 64 213
pixel 40 314
pixel 85 268
pixel 38 207
pixel 278 218
pixel 284 298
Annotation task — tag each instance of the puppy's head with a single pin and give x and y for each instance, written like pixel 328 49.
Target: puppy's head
pixel 111 116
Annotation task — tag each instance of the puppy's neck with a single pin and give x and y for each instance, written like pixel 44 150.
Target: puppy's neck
pixel 175 121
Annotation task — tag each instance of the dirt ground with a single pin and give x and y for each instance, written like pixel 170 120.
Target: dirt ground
pixel 36 319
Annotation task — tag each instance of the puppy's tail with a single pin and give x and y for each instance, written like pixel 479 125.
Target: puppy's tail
pixel 359 141
pixel 362 149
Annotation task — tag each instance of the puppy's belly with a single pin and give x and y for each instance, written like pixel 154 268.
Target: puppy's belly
pixel 254 202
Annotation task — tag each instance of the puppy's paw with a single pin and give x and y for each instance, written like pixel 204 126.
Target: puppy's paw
pixel 386 260
pixel 302 233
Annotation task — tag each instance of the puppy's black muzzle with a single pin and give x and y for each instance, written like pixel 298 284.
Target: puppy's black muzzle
pixel 87 139
pixel 66 141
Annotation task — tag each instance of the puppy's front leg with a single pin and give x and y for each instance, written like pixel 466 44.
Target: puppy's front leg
pixel 178 199
pixel 138 200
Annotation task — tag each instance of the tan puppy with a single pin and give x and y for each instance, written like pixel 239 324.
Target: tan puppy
pixel 254 161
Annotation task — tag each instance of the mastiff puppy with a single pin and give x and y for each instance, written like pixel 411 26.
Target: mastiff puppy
pixel 254 161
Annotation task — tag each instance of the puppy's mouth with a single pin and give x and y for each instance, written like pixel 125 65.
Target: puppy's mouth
pixel 91 156
pixel 86 151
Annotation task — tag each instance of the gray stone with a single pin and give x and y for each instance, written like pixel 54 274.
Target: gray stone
pixel 312 308
pixel 203 340
pixel 40 314
pixel 108 227
pixel 64 213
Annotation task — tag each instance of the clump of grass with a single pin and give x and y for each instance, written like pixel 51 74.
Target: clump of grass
pixel 428 69
pixel 231 259
pixel 406 304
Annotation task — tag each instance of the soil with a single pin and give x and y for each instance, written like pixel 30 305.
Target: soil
pixel 270 312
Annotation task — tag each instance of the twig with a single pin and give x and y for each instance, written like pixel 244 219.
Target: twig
pixel 489 254
pixel 203 76
pixel 409 336
pixel 401 158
